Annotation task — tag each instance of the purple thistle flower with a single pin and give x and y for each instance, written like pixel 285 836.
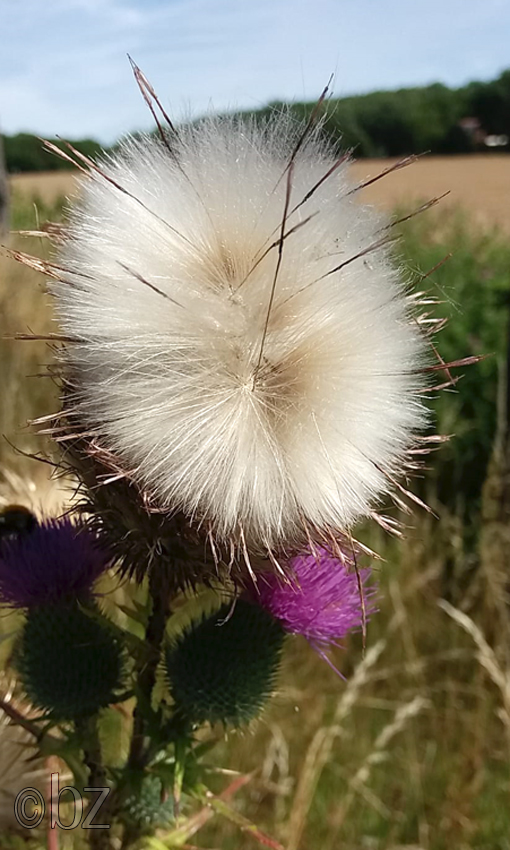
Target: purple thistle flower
pixel 321 601
pixel 55 560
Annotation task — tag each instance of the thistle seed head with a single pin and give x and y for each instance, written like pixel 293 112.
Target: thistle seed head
pixel 239 339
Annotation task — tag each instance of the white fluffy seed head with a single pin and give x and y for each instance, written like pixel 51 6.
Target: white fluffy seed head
pixel 234 374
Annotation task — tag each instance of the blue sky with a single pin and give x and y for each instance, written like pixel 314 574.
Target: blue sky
pixel 63 65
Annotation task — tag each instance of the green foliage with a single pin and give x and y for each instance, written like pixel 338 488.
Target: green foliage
pixel 70 663
pixel 490 102
pixel 474 286
pixel 26 152
pixel 29 212
pixel 223 668
pixel 397 123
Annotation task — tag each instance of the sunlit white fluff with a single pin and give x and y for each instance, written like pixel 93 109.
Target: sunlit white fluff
pixel 168 293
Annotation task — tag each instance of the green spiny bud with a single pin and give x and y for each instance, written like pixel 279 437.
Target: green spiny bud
pixel 70 663
pixel 223 668
pixel 146 807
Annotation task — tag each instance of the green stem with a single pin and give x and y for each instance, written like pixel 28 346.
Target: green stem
pixel 181 748
pixel 99 839
pixel 92 755
pixel 139 752
pixel 155 632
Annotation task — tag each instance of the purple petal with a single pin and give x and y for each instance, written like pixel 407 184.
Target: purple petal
pixel 322 600
pixel 55 560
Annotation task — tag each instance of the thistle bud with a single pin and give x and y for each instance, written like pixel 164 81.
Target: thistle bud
pixel 70 662
pixel 223 668
pixel 147 807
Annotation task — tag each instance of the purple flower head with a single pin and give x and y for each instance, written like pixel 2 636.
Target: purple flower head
pixel 322 600
pixel 56 560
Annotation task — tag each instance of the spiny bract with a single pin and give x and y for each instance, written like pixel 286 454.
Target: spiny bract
pixel 70 664
pixel 240 340
pixel 222 669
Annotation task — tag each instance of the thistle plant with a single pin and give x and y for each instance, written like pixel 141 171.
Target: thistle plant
pixel 243 369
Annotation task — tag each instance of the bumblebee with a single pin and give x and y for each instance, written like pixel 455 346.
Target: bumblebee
pixel 16 520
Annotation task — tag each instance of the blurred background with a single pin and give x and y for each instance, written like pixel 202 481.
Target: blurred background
pixel 412 749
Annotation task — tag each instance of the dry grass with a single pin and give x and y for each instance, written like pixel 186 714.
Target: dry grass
pixel 478 184
pixel 46 187
pixel 24 308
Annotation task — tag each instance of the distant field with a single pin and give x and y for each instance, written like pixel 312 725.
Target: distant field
pixel 479 184
pixel 46 185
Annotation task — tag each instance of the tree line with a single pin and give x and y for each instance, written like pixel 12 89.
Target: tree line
pixel 433 118
pixel 26 152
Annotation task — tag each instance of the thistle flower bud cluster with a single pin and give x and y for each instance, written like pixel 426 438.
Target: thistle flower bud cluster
pixel 69 662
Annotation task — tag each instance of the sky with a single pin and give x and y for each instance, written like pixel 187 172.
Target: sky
pixel 64 67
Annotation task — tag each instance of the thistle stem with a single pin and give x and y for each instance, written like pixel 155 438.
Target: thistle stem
pixel 99 839
pixel 92 755
pixel 155 632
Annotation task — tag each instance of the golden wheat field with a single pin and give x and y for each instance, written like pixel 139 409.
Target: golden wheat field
pixel 411 751
pixel 479 184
